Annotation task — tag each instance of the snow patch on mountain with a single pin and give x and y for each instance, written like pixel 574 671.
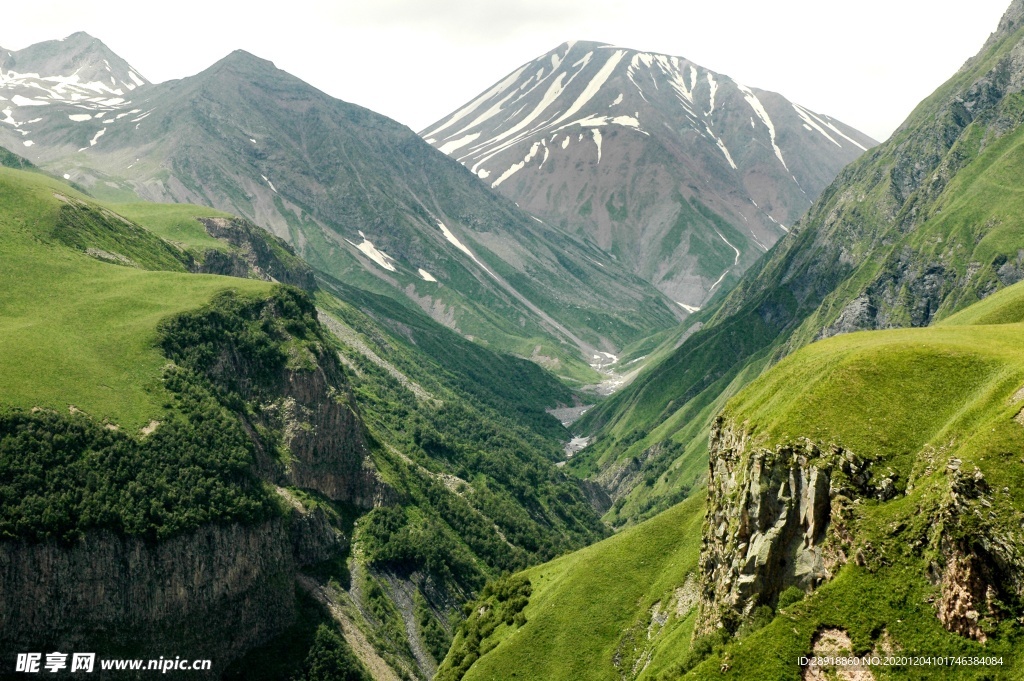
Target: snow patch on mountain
pixel 454 145
pixel 18 100
pixel 454 241
pixel 714 88
pixel 516 167
pixel 461 113
pixel 755 104
pixel 371 252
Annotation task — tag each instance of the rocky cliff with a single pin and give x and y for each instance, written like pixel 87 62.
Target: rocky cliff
pixel 793 515
pixel 768 516
pixel 232 584
pixel 271 361
pixel 255 254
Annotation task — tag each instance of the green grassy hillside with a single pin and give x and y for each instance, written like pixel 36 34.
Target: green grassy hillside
pixel 936 412
pixel 589 613
pixel 94 307
pixel 175 222
pixel 80 330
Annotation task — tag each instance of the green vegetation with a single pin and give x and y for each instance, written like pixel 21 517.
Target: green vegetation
pixel 108 236
pixel 176 222
pixel 289 655
pixel 913 232
pixel 501 603
pixel 9 159
pixel 63 475
pixel 331 659
pixel 87 338
pixel 926 409
pixel 393 540
pixel 919 406
pixel 77 331
pixel 588 613
pixel 434 637
pixel 487 498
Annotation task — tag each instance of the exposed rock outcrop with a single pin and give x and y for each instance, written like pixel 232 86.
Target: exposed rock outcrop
pixel 982 578
pixel 231 583
pixel 774 520
pixel 783 517
pixel 299 410
pixel 220 589
pixel 258 255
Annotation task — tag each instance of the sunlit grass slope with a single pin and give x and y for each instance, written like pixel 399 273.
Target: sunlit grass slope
pixel 78 330
pixel 175 222
pixel 591 607
pixel 917 404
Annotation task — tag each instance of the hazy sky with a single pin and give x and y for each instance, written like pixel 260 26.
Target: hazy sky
pixel 867 63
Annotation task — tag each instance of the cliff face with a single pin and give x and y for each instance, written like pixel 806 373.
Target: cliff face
pixel 257 254
pixel 212 593
pixel 272 361
pixel 980 568
pixel 768 517
pixel 222 588
pixel 790 516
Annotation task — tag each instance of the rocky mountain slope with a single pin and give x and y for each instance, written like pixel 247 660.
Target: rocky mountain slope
pixel 911 232
pixel 360 197
pixel 78 70
pixel 684 175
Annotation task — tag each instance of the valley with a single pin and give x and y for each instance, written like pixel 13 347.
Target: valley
pixel 621 370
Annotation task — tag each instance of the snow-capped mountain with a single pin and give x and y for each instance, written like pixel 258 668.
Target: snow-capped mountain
pixel 364 199
pixel 685 175
pixel 78 79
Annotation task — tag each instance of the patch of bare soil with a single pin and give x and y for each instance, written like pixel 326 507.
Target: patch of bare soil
pixel 831 643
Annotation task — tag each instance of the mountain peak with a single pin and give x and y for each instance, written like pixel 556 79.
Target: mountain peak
pixel 80 37
pixel 555 134
pixel 79 54
pixel 242 62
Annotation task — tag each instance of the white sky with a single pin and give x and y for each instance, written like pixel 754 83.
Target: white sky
pixel 867 63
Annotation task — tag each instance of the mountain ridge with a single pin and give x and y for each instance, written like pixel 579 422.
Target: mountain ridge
pixel 363 199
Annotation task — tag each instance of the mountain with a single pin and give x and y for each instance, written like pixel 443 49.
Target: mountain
pixel 684 175
pixel 360 197
pixel 864 499
pixel 225 452
pixel 78 71
pixel 913 231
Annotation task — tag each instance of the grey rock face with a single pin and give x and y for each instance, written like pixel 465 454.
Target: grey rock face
pixel 213 593
pixel 256 256
pixel 980 568
pixel 775 519
pixel 360 196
